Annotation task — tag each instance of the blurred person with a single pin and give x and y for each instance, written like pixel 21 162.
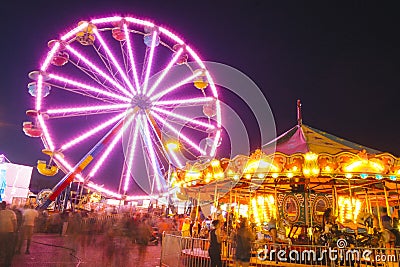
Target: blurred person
pixel 8 226
pixel 29 216
pixel 244 239
pixel 215 237
pixel 186 228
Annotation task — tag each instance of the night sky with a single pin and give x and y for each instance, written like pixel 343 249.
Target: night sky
pixel 341 60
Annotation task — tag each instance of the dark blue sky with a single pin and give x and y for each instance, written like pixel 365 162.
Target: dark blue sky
pixel 341 60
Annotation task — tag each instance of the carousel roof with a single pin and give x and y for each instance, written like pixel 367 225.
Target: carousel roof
pixel 303 138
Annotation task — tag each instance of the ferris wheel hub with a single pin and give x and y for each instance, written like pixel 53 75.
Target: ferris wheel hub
pixel 141 101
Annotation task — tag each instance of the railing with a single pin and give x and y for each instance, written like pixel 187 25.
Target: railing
pixel 180 251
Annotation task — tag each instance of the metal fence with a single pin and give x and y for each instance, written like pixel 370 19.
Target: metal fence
pixel 180 251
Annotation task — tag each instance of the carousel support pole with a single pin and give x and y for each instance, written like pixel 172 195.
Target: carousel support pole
pixel 351 200
pixel 386 200
pixel 378 211
pixel 335 202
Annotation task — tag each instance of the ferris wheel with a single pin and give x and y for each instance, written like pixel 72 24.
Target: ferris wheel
pixel 120 100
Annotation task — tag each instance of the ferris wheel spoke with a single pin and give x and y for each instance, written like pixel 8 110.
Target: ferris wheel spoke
pixel 98 70
pixel 83 86
pixel 175 86
pixel 131 58
pixel 146 137
pixel 110 147
pixel 181 135
pixel 114 60
pixel 149 62
pixel 165 72
pixel 91 132
pixel 184 118
pixel 87 110
pixel 129 160
pixel 191 102
pixel 46 133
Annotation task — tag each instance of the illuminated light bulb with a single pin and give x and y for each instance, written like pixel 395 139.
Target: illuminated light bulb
pixel 275 175
pixel 215 163
pixel 378 176
pixel 363 175
pixel 306 171
pixel 294 168
pixel 261 175
pixel 392 177
pixel 315 171
pixel 349 175
pixel 328 169
pixel 289 175
pixel 236 177
pixel 172 146
pixel 247 176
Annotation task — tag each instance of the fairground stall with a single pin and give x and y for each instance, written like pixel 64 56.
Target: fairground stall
pixel 307 190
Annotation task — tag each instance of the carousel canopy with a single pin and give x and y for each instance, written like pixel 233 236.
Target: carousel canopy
pixel 303 139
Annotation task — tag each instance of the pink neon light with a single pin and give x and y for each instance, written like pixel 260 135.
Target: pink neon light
pixel 184 118
pixel 199 100
pixel 139 21
pixel 106 20
pixel 104 75
pixel 105 154
pixel 86 135
pixel 131 58
pixel 186 139
pixel 171 35
pixel 175 157
pixel 70 110
pixel 50 56
pixel 39 92
pixel 116 64
pixel 45 132
pixel 215 143
pixel 151 150
pixel 88 87
pixel 130 158
pixel 149 62
pixel 177 85
pixel 166 70
pixel 109 149
pixel 74 31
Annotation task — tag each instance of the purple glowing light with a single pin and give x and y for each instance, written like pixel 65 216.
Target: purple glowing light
pixel 149 62
pixel 131 58
pixel 110 85
pixel 116 64
pixel 88 87
pixel 98 70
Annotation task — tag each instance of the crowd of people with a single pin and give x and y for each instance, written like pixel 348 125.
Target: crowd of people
pixel 113 231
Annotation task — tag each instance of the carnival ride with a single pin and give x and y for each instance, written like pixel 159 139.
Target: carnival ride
pixel 309 172
pixel 120 99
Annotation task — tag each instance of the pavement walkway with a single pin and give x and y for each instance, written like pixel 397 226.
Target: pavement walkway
pixel 52 250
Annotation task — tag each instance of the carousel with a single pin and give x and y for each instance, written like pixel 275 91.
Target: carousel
pixel 305 187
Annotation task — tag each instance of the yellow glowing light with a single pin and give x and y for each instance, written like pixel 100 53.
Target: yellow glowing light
pixel 349 175
pixel 215 163
pixel 328 169
pixel 261 175
pixel 363 165
pixel 260 166
pixel 275 175
pixel 247 176
pixel 348 209
pixel 289 175
pixel 294 168
pixel 236 177
pixel 172 146
pixel 310 156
